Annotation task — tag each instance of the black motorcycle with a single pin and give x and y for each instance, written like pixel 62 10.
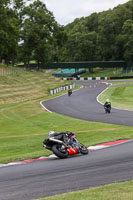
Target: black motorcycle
pixel 69 92
pixel 107 108
pixel 64 149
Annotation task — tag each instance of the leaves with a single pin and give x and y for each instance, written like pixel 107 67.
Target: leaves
pixel 107 35
pixel 29 32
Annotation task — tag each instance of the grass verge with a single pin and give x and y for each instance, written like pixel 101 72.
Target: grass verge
pixel 106 72
pixel 121 96
pixel 28 126
pixel 116 191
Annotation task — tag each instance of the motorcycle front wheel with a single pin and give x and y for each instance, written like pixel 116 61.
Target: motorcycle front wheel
pixel 83 149
pixel 57 150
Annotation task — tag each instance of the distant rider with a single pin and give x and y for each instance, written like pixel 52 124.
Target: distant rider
pixel 69 92
pixel 107 104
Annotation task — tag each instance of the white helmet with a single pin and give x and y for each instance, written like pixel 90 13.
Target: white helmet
pixel 51 133
pixel 107 100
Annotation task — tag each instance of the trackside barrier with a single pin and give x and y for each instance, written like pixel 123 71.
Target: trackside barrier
pixel 98 78
pixel 84 78
pixel 57 90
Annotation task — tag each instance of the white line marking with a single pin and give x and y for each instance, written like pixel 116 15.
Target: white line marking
pixel 102 103
pixel 53 98
pixel 98 147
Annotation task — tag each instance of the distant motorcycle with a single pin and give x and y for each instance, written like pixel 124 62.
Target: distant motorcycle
pixel 107 108
pixel 69 92
pixel 64 149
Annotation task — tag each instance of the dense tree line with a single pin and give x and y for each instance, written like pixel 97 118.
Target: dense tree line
pixel 28 31
pixel 101 36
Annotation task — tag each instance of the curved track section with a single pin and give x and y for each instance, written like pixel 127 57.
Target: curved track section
pixel 55 176
pixel 83 104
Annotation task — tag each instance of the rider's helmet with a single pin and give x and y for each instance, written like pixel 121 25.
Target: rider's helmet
pixel 107 100
pixel 50 133
pixel 69 134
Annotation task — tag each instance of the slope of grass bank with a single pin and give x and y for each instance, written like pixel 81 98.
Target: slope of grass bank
pixel 106 72
pixel 121 96
pixel 26 85
pixel 117 191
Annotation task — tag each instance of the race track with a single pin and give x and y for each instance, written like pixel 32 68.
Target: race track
pixel 54 176
pixel 83 104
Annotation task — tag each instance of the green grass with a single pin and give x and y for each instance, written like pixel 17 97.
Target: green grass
pixel 26 86
pixel 28 126
pixel 106 72
pixel 120 96
pixel 116 191
pixel 24 124
pixel 22 115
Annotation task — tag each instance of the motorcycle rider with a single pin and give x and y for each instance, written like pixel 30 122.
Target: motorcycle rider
pixel 107 103
pixel 64 144
pixel 69 92
pixel 66 137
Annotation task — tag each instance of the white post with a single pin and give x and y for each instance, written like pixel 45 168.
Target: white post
pixel 51 91
pixel 90 78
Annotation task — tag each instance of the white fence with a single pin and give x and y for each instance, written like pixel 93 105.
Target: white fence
pixel 57 90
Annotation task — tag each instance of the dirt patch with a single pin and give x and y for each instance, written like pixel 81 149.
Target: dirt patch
pixel 17 136
pixel 48 71
pixel 100 130
pixel 37 113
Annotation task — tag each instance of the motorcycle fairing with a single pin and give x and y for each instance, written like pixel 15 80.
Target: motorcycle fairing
pixel 72 151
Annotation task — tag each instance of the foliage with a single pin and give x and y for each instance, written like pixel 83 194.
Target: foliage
pixel 8 32
pixel 29 31
pixel 127 31
pixel 101 36
pixel 38 31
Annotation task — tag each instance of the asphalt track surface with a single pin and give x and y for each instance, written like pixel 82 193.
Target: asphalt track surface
pixel 55 176
pixel 83 104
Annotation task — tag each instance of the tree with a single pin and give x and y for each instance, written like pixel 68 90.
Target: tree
pixel 8 32
pixel 101 36
pixel 106 37
pixel 40 33
pixel 127 31
pixel 80 47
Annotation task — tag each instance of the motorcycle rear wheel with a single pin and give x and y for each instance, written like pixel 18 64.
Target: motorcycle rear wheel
pixel 83 149
pixel 107 111
pixel 58 151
